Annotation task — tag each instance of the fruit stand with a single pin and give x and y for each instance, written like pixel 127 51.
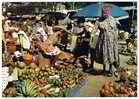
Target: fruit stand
pixel 43 58
pixel 37 77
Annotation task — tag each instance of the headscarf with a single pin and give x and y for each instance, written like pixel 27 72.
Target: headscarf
pixel 112 21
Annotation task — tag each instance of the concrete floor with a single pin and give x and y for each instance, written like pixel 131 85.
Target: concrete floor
pixel 94 82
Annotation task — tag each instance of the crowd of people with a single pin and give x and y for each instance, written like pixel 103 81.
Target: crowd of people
pixel 97 40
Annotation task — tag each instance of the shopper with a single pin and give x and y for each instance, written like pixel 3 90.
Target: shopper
pixel 77 30
pixel 107 45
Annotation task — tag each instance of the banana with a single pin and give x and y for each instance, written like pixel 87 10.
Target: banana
pixel 27 89
pixel 19 94
pixel 26 86
pixel 30 88
pixel 23 90
pixel 34 93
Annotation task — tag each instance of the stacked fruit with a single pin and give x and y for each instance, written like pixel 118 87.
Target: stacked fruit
pixel 110 89
pixel 35 73
pixel 61 77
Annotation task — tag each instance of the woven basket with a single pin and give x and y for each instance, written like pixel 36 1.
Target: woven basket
pixel 28 58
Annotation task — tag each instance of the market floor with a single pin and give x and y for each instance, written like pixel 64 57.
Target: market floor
pixel 94 82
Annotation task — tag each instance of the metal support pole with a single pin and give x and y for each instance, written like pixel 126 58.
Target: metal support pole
pixel 73 4
pixel 101 8
pixel 133 14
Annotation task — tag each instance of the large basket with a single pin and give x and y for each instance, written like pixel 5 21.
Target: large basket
pixel 28 58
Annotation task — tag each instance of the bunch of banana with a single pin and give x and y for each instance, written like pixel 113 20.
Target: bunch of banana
pixel 27 89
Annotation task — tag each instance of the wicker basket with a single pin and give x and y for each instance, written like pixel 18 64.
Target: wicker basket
pixel 28 58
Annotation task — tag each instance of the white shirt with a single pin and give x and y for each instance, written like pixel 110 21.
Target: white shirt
pixel 42 32
pixel 50 30
pixel 17 54
pixel 24 40
pixel 14 35
pixel 98 31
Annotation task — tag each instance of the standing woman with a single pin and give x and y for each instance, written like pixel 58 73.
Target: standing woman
pixel 107 43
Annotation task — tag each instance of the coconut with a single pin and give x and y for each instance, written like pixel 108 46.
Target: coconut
pixel 43 68
pixel 21 65
pixel 33 66
pixel 37 69
pixel 129 73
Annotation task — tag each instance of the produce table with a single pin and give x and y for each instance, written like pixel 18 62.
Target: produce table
pixel 45 79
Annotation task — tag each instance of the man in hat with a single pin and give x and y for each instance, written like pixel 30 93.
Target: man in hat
pixel 78 28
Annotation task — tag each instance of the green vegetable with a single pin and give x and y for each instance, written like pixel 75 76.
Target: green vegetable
pixel 66 92
pixel 27 89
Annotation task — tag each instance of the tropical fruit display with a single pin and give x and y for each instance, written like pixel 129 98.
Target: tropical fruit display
pixel 44 79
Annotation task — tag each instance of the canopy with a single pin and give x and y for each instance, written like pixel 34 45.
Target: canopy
pixel 95 10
